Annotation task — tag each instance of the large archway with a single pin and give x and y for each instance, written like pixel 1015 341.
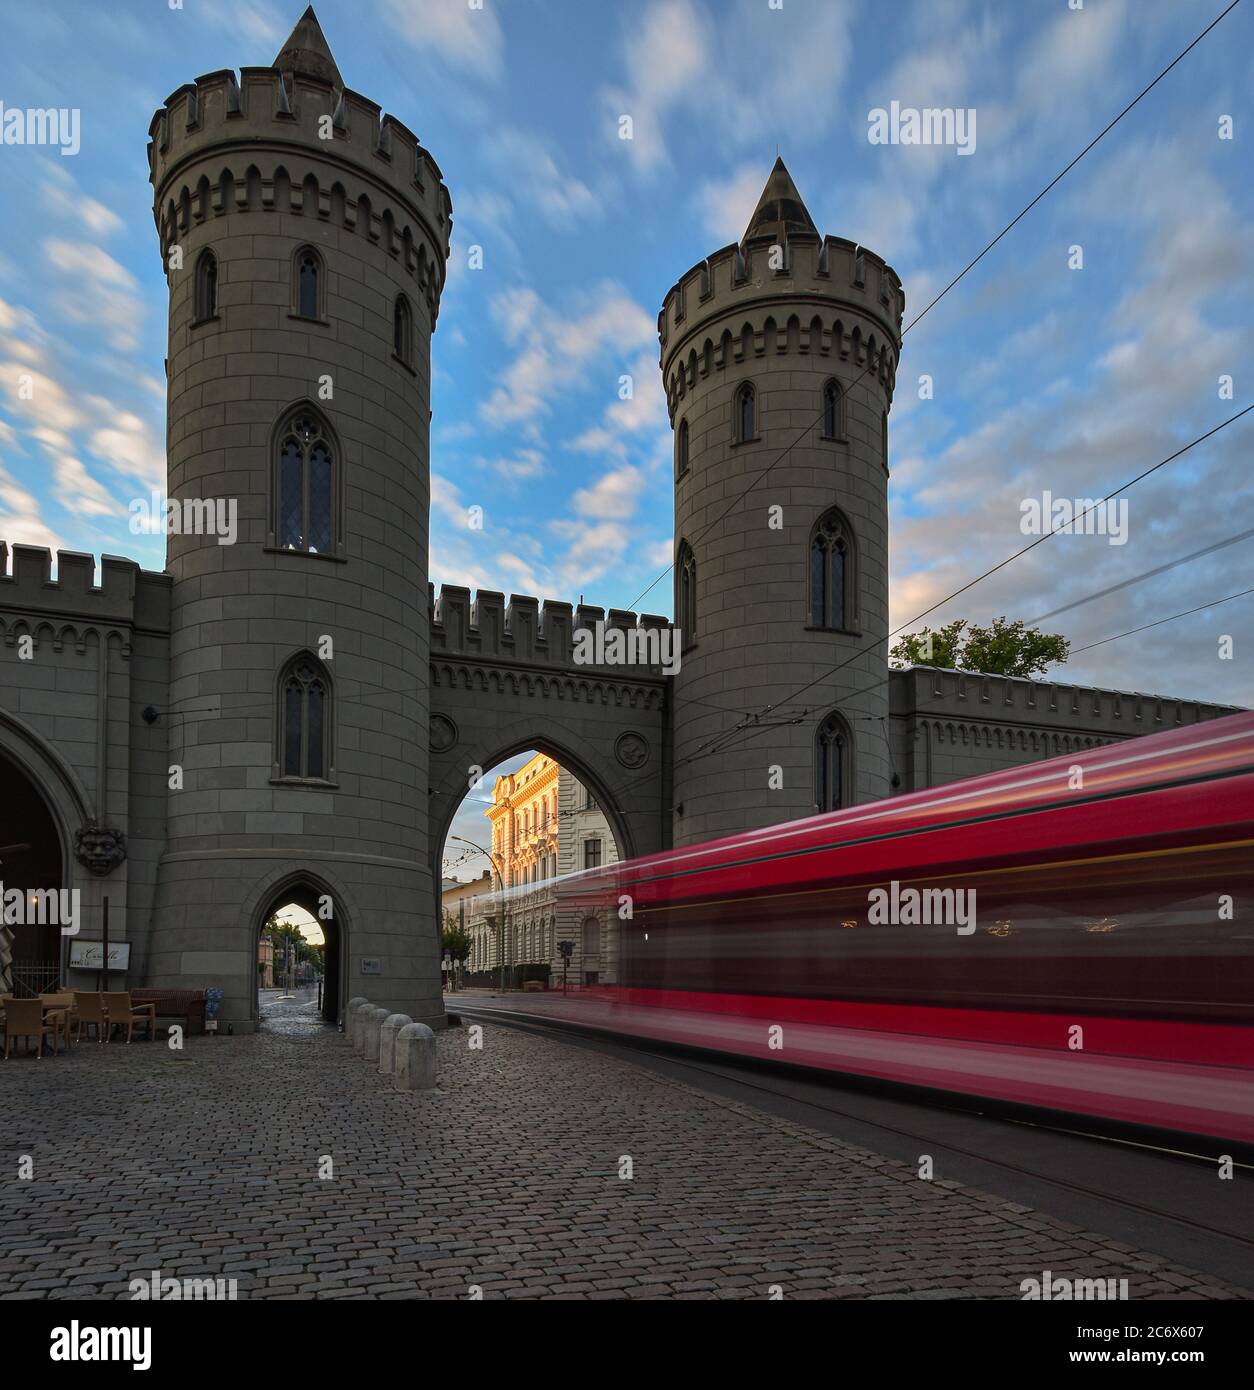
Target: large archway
pixel 32 861
pixel 530 817
pixel 307 909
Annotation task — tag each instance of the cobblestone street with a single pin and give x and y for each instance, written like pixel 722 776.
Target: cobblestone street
pixel 206 1163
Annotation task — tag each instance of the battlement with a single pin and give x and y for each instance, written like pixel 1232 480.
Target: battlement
pixel 126 595
pixel 947 697
pixel 371 174
pixel 826 270
pixel 529 631
pixel 830 298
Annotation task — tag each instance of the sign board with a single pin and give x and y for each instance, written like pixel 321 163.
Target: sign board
pixel 89 955
pixel 371 965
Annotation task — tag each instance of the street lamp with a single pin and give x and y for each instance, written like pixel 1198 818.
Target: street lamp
pixel 500 873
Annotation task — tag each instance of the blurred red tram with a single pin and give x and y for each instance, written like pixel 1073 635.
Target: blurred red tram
pixel 1109 972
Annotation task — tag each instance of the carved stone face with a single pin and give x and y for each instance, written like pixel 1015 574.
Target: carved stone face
pixel 99 849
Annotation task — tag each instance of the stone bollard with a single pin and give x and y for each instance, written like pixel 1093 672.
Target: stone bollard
pixel 371 1022
pixel 415 1058
pixel 350 1009
pixel 360 1019
pixel 392 1025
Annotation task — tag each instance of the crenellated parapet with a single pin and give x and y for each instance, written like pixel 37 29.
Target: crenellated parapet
pixel 547 634
pixel 293 143
pixel 827 298
pixel 1036 716
pixel 65 609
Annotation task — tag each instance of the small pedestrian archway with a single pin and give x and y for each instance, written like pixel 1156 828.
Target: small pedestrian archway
pixel 300 909
pixel 531 815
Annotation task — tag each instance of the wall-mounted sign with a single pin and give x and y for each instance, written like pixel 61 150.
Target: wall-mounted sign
pixel 89 955
pixel 371 965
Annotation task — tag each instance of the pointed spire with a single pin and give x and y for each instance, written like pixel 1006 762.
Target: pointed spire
pixel 306 52
pixel 780 215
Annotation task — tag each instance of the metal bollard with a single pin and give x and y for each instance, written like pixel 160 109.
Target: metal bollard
pixel 415 1058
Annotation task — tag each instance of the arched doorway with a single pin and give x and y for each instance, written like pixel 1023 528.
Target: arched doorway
pixel 32 872
pixel 299 936
pixel 533 817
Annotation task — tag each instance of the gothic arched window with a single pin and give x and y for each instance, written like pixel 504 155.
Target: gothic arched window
pixel 681 449
pixel 307 283
pixel 746 421
pixel 305 486
pixel 832 577
pixel 832 765
pixel 402 331
pixel 686 595
pixel 206 286
pixel 832 423
pixel 304 720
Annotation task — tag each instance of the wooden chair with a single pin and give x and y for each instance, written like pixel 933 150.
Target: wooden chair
pixel 65 1014
pixel 24 1018
pixel 121 1014
pixel 91 1014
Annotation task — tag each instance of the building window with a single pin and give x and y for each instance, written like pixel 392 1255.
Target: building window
pixel 686 595
pixel 831 573
pixel 305 491
pixel 308 283
pixel 304 720
pixel 591 938
pixel 832 770
pixel 403 331
pixel 833 426
pixel 681 449
pixel 592 854
pixel 746 421
pixel 206 286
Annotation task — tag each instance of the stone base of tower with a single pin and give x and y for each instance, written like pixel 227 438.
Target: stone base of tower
pixel 377 915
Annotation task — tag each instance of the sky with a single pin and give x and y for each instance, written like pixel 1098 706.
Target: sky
pixel 1044 377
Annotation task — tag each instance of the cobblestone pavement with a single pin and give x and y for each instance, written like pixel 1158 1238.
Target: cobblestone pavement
pixel 206 1163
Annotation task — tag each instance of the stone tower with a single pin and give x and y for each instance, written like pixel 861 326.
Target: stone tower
pixel 305 236
pixel 778 357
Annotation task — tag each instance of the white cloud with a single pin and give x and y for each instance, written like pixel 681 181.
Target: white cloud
pixel 100 292
pixel 64 196
pixel 556 350
pixel 467 39
pixel 726 205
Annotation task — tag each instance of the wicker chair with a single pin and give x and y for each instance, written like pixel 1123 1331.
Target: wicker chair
pixel 123 1015
pixel 91 1014
pixel 24 1018
pixel 65 1014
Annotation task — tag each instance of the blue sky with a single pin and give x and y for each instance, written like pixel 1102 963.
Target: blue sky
pixel 1044 377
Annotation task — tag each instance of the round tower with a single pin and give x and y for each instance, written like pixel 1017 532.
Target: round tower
pixel 778 357
pixel 304 236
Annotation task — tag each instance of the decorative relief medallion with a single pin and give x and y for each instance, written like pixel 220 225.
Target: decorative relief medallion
pixel 99 849
pixel 632 750
pixel 442 734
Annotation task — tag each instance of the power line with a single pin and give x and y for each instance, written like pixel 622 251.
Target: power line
pixel 1146 626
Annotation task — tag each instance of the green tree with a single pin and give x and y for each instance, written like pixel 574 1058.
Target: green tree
pixel 455 942
pixel 1003 648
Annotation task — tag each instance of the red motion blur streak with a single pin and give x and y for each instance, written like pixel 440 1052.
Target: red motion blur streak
pixel 1173 811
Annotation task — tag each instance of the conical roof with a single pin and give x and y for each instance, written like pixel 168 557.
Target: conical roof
pixel 780 215
pixel 308 53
